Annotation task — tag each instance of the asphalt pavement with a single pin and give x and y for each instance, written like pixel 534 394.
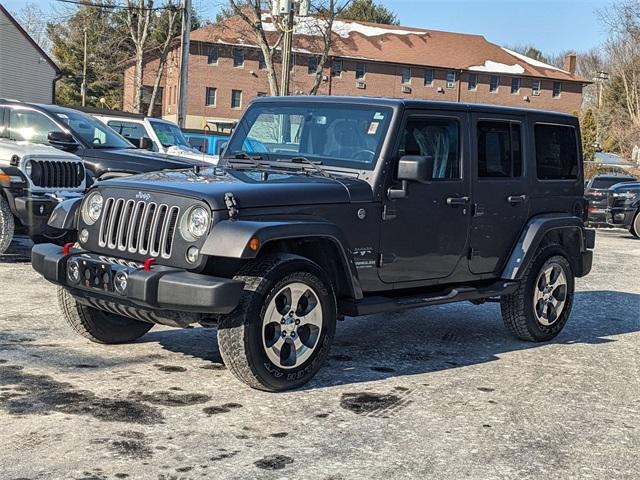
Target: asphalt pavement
pixel 436 393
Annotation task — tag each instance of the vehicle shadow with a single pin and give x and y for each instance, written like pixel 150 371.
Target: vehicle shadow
pixel 19 251
pixel 432 339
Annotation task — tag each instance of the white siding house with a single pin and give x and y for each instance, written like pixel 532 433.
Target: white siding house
pixel 26 71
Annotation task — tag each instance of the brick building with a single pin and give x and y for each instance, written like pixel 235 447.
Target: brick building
pixel 226 70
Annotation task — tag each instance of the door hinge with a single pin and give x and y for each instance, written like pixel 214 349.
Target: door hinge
pixel 386 259
pixel 388 212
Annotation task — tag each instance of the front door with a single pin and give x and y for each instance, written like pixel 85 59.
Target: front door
pixel 500 192
pixel 424 235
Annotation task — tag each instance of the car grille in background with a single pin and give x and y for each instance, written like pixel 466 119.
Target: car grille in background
pixel 146 228
pixel 56 174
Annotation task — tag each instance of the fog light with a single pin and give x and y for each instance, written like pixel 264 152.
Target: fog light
pixel 192 254
pixel 73 271
pixel 120 282
pixel 84 235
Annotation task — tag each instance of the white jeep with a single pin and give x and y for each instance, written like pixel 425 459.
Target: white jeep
pixel 33 180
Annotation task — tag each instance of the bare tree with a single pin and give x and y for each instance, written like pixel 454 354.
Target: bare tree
pixel 34 20
pixel 138 20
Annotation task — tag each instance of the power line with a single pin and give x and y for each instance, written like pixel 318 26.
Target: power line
pixel 120 7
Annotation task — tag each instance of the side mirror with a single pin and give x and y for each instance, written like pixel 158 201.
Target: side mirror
pixel 145 143
pixel 62 140
pixel 411 168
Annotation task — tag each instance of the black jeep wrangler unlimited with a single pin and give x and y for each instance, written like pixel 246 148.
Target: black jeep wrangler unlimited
pixel 360 206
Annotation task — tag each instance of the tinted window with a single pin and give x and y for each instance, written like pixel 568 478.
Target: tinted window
pixel 602 183
pixel 556 152
pixel 30 125
pixel 438 138
pixel 92 130
pixel 499 150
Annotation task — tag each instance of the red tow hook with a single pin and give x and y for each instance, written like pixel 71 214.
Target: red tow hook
pixel 147 264
pixel 67 248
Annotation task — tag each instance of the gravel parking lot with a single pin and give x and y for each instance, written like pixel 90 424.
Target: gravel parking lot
pixel 442 393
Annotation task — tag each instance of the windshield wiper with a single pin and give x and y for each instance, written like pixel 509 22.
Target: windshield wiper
pixel 313 165
pixel 254 159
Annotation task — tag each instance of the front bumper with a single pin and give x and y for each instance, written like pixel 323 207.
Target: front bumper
pixel 161 287
pixel 620 217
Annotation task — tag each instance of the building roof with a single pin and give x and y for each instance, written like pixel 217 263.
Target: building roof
pixel 393 44
pixel 42 53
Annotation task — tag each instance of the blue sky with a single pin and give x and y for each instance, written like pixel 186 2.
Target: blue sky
pixel 551 25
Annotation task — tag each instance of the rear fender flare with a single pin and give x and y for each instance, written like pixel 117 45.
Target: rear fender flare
pixel 231 238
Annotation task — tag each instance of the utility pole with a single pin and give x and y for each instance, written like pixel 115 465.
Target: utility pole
pixel 183 87
pixel 287 48
pixel 83 87
pixel 600 79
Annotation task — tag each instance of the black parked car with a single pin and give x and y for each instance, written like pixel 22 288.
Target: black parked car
pixel 358 206
pixel 596 193
pixel 105 153
pixel 623 208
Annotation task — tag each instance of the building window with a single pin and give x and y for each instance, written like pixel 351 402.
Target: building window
pixel 210 97
pixel 212 55
pixel 557 89
pixel 515 86
pixel 406 75
pixel 451 79
pixel 473 81
pixel 262 64
pixel 535 88
pixel 236 98
pixel 336 68
pixel 361 70
pixel 499 150
pixel 494 83
pixel 428 78
pixel 312 65
pixel 238 57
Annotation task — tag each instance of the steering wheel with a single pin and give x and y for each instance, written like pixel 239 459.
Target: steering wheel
pixel 360 153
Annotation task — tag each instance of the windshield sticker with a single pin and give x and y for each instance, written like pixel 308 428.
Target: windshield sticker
pixel 378 116
pixel 373 128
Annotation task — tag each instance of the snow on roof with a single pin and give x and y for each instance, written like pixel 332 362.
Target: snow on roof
pixel 495 67
pixel 531 61
pixel 313 27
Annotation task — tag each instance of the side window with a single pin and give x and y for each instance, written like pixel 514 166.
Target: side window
pixel 499 150
pixel 438 138
pixel 198 143
pixel 128 129
pixel 556 152
pixel 30 125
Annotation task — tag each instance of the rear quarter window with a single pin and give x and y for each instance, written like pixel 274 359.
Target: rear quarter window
pixel 556 152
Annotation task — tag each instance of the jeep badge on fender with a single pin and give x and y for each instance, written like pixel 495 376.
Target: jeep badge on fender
pixel 356 206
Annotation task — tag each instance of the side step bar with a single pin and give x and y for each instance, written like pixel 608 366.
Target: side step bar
pixel 379 304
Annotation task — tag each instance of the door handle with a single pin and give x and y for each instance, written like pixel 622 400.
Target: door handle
pixel 516 199
pixel 457 200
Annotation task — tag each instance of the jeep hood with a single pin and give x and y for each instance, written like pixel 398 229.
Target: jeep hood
pixel 133 160
pixel 249 188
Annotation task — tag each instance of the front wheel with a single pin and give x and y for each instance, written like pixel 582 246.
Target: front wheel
pixel 539 309
pixel 99 326
pixel 7 225
pixel 635 225
pixel 279 335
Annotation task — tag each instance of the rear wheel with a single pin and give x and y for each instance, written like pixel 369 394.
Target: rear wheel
pixel 280 334
pixel 99 326
pixel 7 225
pixel 539 309
pixel 635 225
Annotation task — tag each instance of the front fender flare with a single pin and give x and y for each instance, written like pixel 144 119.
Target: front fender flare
pixel 532 236
pixel 65 215
pixel 230 238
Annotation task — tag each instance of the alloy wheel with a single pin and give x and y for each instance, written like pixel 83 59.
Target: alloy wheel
pixel 550 294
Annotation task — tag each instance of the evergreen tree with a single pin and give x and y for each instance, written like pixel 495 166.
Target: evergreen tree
pixel 588 131
pixel 369 11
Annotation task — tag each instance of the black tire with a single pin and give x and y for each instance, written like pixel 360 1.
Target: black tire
pixel 99 326
pixel 7 225
pixel 518 311
pixel 241 333
pixel 635 225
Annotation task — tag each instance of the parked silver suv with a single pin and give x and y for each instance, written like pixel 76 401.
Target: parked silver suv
pixel 33 180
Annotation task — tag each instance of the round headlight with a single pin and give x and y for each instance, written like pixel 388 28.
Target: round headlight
pixel 28 168
pixel 92 208
pixel 198 222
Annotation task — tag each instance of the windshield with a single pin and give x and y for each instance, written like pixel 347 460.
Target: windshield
pixel 92 131
pixel 334 134
pixel 169 135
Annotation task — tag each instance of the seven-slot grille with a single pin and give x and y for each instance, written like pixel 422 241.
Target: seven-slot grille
pixel 137 226
pixel 56 174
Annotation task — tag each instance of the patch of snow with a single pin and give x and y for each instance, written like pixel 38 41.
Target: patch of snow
pixel 532 61
pixel 311 26
pixel 495 67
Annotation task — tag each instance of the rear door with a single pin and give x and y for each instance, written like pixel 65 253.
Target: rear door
pixel 500 189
